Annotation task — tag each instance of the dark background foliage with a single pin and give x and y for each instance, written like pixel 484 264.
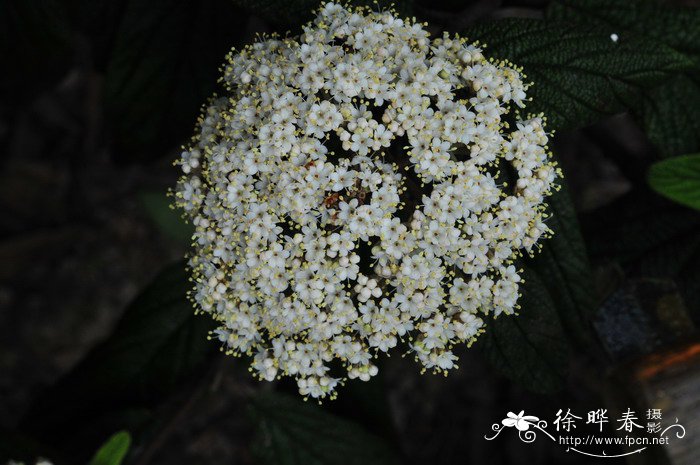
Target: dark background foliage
pixel 96 335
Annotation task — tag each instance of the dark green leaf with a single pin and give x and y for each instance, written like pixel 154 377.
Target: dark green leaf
pixel 35 45
pixel 98 21
pixel 564 262
pixel 678 179
pixel 294 432
pixel 530 348
pixel 158 345
pixel 669 113
pixel 168 220
pixel 163 66
pixel 649 236
pixel 556 307
pixel 579 74
pixel 292 13
pixel 114 450
pixel 635 224
pixel 676 27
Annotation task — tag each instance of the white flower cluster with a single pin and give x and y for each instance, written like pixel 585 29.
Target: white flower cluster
pixel 361 185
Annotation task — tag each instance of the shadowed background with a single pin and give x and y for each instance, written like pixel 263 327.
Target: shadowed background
pixel 96 99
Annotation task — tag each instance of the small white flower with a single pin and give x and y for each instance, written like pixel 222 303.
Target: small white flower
pixel 320 239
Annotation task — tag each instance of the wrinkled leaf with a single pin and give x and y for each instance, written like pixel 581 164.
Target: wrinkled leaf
pixel 530 348
pixel 563 260
pixel 649 236
pixel 163 67
pixel 158 345
pixel 676 27
pixel 670 115
pixel 678 179
pixel 114 450
pixel 579 74
pixel 293 432
pixel 635 224
pixel 670 112
pixel 557 307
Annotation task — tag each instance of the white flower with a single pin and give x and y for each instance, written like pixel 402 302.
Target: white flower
pixel 348 197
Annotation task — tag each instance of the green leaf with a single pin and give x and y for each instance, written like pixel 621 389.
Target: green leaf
pixel 670 112
pixel 98 21
pixel 35 46
pixel 163 66
pixel 579 74
pixel 636 224
pixel 157 347
pixel 676 27
pixel 530 348
pixel 293 13
pixel 168 219
pixel 114 450
pixel 678 179
pixel 670 115
pixel 650 237
pixel 293 432
pixel 557 307
pixel 564 261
